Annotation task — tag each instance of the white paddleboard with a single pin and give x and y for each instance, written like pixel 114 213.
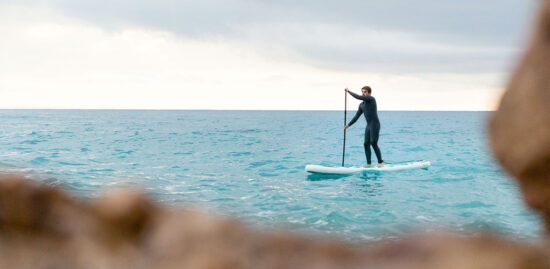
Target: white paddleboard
pixel 339 170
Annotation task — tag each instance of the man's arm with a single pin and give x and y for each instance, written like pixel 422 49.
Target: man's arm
pixel 361 97
pixel 357 115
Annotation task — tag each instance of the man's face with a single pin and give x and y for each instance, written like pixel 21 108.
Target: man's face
pixel 364 91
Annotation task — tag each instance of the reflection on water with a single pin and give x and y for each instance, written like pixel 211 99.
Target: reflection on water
pixel 371 188
pixel 317 177
pixel 370 174
pixel 364 175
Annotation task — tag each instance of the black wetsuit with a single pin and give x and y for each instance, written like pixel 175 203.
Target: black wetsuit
pixel 368 108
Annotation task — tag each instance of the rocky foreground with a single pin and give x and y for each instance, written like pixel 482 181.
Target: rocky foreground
pixel 42 227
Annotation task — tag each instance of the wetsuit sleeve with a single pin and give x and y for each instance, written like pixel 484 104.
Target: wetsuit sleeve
pixel 357 115
pixel 361 97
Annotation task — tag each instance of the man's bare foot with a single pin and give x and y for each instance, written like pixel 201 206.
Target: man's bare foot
pixel 380 164
pixel 367 165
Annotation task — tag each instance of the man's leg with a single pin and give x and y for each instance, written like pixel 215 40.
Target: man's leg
pixel 366 145
pixel 374 142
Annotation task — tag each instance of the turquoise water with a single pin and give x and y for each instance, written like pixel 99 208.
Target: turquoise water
pixel 250 165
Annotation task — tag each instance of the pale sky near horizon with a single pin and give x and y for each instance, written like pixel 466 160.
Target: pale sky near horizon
pixel 239 54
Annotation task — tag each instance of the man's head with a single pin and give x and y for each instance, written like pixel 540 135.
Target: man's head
pixel 366 90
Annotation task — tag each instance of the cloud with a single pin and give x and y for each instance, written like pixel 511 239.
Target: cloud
pixel 52 60
pixel 365 49
pixel 398 36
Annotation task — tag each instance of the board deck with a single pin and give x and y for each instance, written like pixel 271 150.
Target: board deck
pixel 339 170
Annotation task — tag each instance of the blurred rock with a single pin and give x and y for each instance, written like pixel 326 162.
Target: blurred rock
pixel 125 216
pixel 520 129
pixel 41 227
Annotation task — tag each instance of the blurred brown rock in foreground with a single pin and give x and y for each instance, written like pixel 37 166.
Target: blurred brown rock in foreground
pixel 41 227
pixel 520 129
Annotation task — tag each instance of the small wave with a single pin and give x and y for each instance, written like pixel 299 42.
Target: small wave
pixel 32 142
pixel 183 153
pixel 261 163
pixel 250 131
pixel 243 131
pixel 473 204
pixel 237 154
pixel 101 170
pixel 6 165
pixel 120 151
pixel 337 217
pixel 415 149
pixel 20 148
pixel 71 164
pixel 264 174
pixel 39 160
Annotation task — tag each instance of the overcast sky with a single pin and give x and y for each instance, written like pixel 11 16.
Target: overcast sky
pixel 236 54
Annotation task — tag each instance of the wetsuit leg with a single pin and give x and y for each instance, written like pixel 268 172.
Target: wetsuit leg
pixel 374 133
pixel 366 144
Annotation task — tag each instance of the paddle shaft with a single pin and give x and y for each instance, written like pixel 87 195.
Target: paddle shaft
pixel 345 121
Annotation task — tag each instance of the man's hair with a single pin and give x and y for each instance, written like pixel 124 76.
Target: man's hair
pixel 367 88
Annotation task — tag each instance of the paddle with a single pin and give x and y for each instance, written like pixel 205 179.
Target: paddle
pixel 345 121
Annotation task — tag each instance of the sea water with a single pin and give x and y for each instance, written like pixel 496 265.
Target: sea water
pixel 249 165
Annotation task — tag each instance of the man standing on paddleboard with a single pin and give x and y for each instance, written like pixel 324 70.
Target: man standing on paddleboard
pixel 368 108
